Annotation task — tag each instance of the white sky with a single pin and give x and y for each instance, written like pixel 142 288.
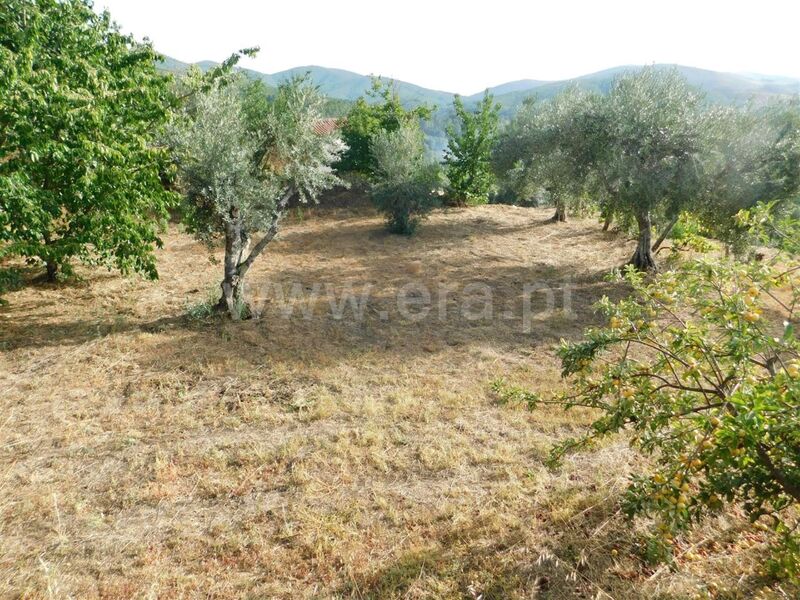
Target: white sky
pixel 465 46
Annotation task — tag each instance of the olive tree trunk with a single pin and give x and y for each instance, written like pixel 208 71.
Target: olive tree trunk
pixel 560 215
pixel 239 258
pixel 232 284
pixel 643 258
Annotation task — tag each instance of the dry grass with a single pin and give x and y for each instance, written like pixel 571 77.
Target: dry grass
pixel 144 454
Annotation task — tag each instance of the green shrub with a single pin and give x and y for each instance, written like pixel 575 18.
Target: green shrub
pixel 701 366
pixel 406 182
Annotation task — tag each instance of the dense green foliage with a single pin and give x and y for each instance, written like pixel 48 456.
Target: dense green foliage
pixel 655 150
pixel 238 183
pixel 255 99
pixel 650 150
pixel 468 156
pixel 702 366
pixel 80 107
pixel 557 146
pixel 379 111
pixel 406 182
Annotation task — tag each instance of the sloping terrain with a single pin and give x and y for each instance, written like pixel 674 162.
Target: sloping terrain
pixel 149 451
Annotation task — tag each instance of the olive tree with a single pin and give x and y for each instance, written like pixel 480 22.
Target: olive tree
pixel 753 156
pixel 81 106
pixel 654 150
pixel 405 180
pixel 573 132
pixel 238 185
pixel 556 146
pixel 512 152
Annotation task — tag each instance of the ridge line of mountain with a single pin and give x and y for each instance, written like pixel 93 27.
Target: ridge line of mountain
pixel 348 85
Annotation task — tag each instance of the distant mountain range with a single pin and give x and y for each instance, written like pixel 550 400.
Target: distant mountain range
pixel 346 85
pixel 334 83
pixel 723 88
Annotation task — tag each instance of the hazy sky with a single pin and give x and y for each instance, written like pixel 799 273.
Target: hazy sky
pixel 464 46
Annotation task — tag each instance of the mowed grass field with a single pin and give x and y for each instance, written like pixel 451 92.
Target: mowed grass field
pixel 147 451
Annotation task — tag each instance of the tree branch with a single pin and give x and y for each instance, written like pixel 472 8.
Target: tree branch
pixel 271 232
pixel 788 486
pixel 665 233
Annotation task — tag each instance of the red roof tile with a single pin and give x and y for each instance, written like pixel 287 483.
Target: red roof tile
pixel 326 126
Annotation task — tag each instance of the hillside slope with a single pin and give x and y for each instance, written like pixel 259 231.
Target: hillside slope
pixel 720 87
pixel 723 88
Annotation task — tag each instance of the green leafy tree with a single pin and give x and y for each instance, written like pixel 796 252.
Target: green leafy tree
pixel 255 103
pixel 558 146
pixel 380 110
pixel 701 366
pixel 405 181
pixel 468 156
pixel 80 107
pixel 238 185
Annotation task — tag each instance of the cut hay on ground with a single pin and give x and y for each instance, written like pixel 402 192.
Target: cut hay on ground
pixel 145 454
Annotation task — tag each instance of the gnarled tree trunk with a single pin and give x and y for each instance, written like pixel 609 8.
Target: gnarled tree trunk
pixel 239 258
pixel 232 284
pixel 561 211
pixel 643 258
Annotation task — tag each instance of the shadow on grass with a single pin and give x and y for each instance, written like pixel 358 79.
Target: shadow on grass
pixel 341 229
pixel 331 326
pixel 21 333
pixel 330 321
pixel 589 558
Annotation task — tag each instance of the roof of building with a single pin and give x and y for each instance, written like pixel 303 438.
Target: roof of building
pixel 326 126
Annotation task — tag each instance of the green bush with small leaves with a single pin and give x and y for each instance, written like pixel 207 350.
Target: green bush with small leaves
pixel 405 180
pixel 701 366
